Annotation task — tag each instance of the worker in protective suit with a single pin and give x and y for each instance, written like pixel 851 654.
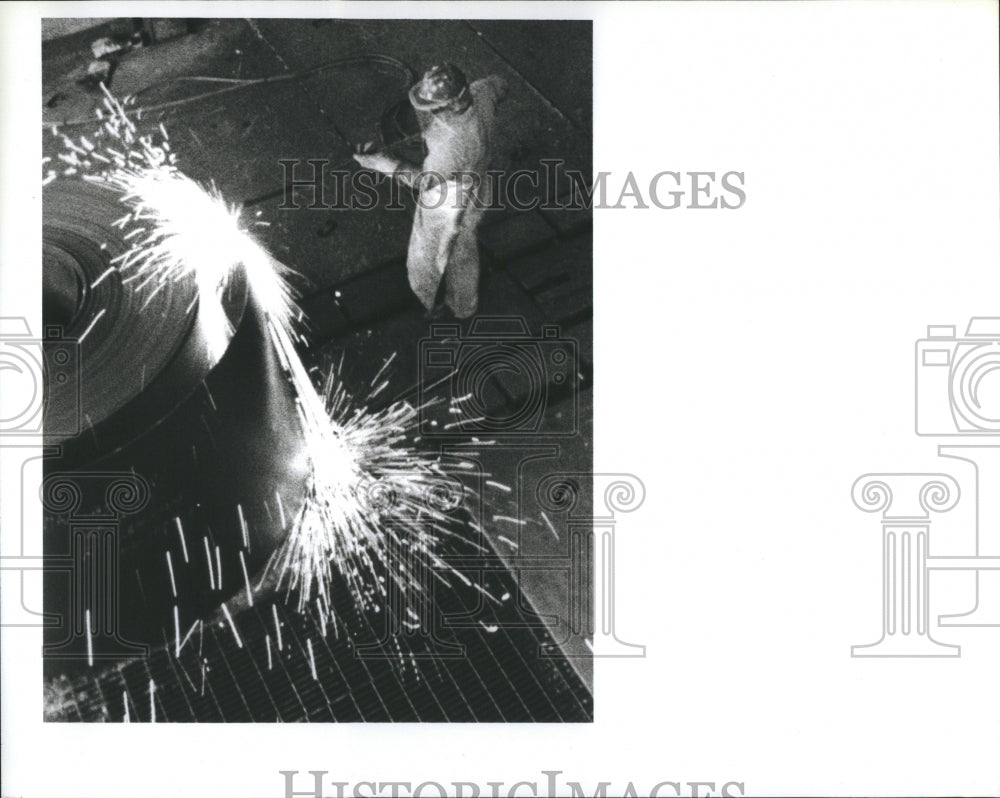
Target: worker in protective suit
pixel 456 121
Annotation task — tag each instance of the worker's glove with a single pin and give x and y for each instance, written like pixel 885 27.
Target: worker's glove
pixel 369 159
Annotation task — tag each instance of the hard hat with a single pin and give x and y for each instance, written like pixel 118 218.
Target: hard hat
pixel 441 86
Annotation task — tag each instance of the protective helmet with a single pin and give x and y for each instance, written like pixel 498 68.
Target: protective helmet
pixel 440 87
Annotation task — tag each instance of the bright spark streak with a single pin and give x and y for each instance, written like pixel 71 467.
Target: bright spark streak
pixel 195 625
pixel 312 659
pixel 548 523
pixel 243 527
pixel 232 625
pixel 90 644
pixel 90 326
pixel 173 583
pixel 246 579
pixel 277 625
pixel 180 532
pixel 368 488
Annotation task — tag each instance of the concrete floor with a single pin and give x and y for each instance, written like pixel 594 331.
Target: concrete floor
pixel 537 264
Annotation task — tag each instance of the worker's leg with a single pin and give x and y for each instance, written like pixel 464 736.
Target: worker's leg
pixel 422 261
pixel 462 275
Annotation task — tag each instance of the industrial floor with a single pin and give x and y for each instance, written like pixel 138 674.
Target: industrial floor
pixel 537 265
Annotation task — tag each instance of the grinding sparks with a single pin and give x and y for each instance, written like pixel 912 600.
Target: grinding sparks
pixel 208 560
pixel 185 231
pixel 196 625
pixel 374 504
pixel 90 326
pixel 232 625
pixel 170 568
pixel 90 643
pixel 175 229
pixel 246 579
pixel 376 508
pixel 277 626
pixel 548 523
pixel 312 659
pixel 243 527
pixel 180 533
pixel 356 459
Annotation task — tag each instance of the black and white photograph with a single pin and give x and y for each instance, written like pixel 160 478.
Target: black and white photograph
pixel 499 399
pixel 322 370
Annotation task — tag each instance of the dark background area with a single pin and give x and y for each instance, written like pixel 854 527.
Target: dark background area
pixel 537 265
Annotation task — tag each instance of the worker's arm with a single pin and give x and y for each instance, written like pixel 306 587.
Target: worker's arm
pixel 407 172
pixel 500 88
pixel 494 89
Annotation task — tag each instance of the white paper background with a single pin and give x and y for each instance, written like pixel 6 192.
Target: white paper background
pixel 750 365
